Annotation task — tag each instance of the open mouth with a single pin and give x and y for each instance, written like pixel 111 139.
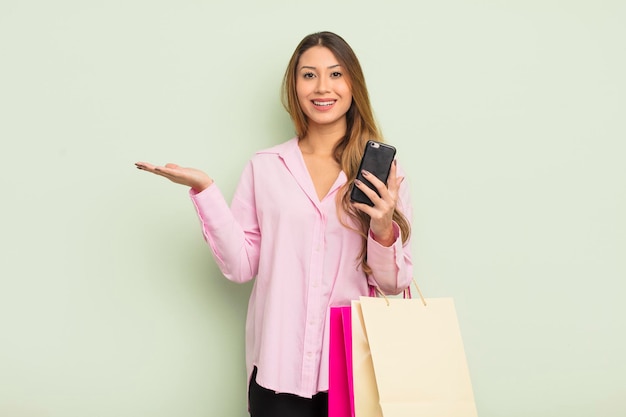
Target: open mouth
pixel 323 103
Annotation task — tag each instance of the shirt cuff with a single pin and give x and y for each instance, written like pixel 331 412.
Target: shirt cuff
pixel 383 258
pixel 396 236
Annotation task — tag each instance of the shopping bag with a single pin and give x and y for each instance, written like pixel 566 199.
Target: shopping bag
pixel 365 391
pixel 340 391
pixel 418 358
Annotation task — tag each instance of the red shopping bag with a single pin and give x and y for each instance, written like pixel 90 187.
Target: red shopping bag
pixel 340 388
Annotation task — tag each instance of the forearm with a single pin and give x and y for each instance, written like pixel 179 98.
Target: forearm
pixel 392 267
pixel 235 250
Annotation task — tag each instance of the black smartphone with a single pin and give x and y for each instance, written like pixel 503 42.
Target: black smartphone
pixel 377 159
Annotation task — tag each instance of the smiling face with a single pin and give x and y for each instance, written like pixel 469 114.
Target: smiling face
pixel 323 89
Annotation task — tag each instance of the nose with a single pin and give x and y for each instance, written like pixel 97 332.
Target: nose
pixel 322 85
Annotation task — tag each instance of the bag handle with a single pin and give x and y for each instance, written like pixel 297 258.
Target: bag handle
pixel 405 294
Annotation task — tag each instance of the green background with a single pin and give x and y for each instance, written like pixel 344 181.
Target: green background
pixel 508 116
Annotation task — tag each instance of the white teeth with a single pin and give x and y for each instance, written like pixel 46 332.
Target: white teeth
pixel 323 103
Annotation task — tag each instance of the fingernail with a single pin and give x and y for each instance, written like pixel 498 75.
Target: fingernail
pixel 357 182
pixel 395 162
pixel 365 173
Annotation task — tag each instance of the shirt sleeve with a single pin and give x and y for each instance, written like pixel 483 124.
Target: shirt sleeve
pixel 232 233
pixel 392 267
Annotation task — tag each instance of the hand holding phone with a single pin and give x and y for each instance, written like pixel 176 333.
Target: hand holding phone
pixel 377 159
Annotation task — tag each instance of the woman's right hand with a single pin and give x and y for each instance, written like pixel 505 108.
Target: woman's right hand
pixel 190 177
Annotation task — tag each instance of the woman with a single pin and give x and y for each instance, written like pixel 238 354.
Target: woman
pixel 292 225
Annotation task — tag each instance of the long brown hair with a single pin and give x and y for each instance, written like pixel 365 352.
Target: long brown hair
pixel 360 127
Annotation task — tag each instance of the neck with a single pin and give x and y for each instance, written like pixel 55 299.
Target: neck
pixel 321 140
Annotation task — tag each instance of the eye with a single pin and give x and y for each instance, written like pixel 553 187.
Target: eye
pixel 336 74
pixel 308 75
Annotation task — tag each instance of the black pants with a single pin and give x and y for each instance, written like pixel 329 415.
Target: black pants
pixel 266 403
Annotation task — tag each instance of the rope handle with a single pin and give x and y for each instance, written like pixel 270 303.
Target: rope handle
pixel 406 293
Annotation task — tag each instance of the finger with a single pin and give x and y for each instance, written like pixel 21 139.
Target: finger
pixel 158 170
pixel 380 186
pixel 165 171
pixel 144 165
pixel 393 172
pixel 376 212
pixel 373 179
pixel 369 210
pixel 394 184
pixel 371 194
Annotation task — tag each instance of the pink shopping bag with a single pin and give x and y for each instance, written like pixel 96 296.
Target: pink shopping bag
pixel 340 388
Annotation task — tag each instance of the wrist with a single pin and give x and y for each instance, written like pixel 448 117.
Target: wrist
pixel 198 188
pixel 385 238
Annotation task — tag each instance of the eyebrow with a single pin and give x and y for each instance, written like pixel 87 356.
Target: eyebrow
pixel 310 67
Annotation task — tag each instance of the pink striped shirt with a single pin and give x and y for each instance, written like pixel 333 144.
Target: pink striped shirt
pixel 304 261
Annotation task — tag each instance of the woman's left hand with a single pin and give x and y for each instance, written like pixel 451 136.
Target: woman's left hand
pixel 381 214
